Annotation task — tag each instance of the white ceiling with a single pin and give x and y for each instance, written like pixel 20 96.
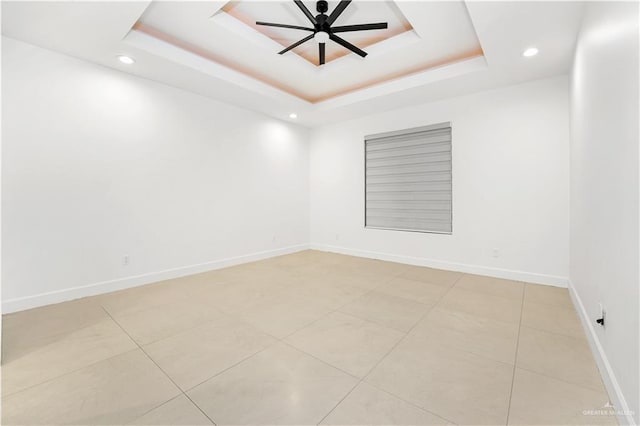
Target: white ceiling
pixel 453 48
pixel 441 33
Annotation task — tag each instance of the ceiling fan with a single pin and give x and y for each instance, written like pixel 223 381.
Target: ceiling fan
pixel 323 31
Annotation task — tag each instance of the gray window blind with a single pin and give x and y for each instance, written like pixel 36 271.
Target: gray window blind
pixel 408 180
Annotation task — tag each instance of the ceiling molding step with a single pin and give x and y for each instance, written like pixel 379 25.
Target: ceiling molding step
pixel 143 40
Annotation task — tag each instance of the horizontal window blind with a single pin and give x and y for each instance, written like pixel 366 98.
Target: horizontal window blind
pixel 408 180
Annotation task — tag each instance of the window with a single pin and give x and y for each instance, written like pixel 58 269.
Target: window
pixel 408 180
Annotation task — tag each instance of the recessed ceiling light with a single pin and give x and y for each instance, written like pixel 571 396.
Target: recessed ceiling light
pixel 126 59
pixel 532 51
pixel 293 115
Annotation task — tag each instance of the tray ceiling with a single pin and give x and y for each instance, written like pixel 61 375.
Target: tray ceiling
pixel 203 48
pixel 442 34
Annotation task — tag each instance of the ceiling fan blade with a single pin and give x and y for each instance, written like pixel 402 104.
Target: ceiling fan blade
pixel 360 27
pixel 321 46
pixel 306 12
pixel 344 43
pixel 337 11
pixel 296 44
pixel 293 27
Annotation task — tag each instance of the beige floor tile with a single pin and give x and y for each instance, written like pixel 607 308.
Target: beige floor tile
pixel 553 318
pixel 329 290
pixel 313 270
pixel 284 314
pixel 482 305
pixel 140 298
pixel 387 310
pixel 114 391
pixel 261 272
pixel 368 267
pixel 324 257
pixel 367 405
pixel 430 275
pixel 303 258
pixel 352 344
pixel 555 355
pixel 158 322
pixel 547 294
pixel 197 354
pixel 278 386
pixel 418 291
pixel 540 400
pixel 73 351
pixel 222 275
pixel 492 286
pixel 460 386
pixel 28 331
pixel 358 277
pixel 70 363
pixel 183 284
pixel 178 411
pixel 204 282
pixel 234 297
pixel 493 339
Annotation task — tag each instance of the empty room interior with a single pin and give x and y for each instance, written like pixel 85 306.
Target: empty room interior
pixel 320 213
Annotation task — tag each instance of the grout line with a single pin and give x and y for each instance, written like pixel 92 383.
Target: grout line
pixel 157 406
pixel 375 322
pixel 282 340
pixel 340 402
pixel 408 332
pixel 285 268
pixel 188 328
pixel 373 385
pixel 4 395
pixel 578 338
pixel 337 309
pixel 320 360
pixel 427 312
pixel 237 317
pixel 391 350
pixel 164 372
pixel 515 359
pixel 234 365
pixel 107 318
pixel 360 379
pixel 582 386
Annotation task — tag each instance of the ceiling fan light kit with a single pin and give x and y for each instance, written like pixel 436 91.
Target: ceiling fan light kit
pixel 323 29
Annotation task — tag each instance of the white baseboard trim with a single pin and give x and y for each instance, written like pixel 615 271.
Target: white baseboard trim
pixel 509 274
pixel 608 377
pixel 28 302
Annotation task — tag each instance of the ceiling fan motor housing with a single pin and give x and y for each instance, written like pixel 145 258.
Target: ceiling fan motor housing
pixel 322 6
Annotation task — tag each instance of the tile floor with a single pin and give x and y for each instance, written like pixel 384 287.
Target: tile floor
pixel 304 339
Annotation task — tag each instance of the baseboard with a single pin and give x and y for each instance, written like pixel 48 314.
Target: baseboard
pixel 529 277
pixel 608 377
pixel 28 302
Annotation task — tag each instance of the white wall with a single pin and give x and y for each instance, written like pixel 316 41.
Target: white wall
pixel 510 185
pixel 98 164
pixel 604 189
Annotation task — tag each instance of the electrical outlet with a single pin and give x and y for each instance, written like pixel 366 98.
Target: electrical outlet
pixel 495 253
pixel 125 260
pixel 337 237
pixel 273 240
pixel 600 320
